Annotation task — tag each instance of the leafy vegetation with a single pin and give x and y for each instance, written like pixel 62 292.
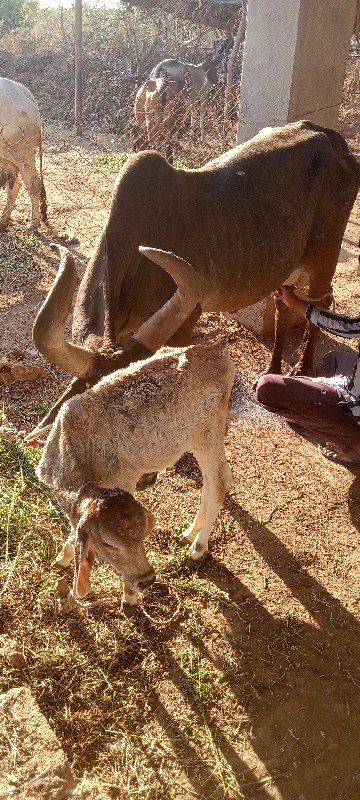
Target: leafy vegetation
pixel 18 14
pixel 18 255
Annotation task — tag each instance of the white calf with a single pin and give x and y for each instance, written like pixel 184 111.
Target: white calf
pixel 138 420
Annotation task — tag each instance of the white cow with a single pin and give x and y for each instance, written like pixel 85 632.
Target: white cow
pixel 20 138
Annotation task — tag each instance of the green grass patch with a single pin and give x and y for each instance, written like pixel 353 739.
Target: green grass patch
pixel 186 163
pixel 110 162
pixel 26 504
pixel 18 256
pixel 24 413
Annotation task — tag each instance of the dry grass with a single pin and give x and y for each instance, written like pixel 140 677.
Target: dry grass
pixel 100 679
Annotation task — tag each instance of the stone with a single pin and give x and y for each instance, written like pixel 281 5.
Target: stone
pixel 11 653
pixel 20 372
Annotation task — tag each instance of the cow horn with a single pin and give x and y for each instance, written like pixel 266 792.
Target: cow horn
pixel 157 330
pixel 49 325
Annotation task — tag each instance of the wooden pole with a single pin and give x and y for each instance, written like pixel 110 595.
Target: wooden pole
pixel 78 67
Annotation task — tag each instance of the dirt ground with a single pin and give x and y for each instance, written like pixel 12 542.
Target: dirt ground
pixel 252 688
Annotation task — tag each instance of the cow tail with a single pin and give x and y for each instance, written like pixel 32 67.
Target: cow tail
pixel 43 203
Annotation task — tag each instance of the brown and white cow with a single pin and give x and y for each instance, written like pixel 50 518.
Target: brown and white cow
pixel 160 111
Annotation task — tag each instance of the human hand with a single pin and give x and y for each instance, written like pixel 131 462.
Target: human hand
pixel 288 296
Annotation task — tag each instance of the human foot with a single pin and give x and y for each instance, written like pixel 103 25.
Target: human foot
pixel 335 453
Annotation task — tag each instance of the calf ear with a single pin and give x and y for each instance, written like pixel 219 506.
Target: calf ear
pixel 84 558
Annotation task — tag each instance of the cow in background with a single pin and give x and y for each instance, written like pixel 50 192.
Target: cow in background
pixel 196 81
pixel 159 110
pixel 20 138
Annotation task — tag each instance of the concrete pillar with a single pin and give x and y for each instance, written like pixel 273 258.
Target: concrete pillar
pixel 294 66
pixel 294 62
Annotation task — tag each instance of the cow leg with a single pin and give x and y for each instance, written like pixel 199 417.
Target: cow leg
pixel 12 191
pixel 202 112
pixel 321 270
pixel 282 322
pixel 169 153
pixel 217 478
pixel 33 184
pixel 320 294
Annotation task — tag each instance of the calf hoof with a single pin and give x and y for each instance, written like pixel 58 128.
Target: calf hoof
pixel 65 557
pixel 195 556
pixel 129 609
pixel 65 600
pixel 146 480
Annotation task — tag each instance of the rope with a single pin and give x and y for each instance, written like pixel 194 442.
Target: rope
pixel 315 300
pixel 328 293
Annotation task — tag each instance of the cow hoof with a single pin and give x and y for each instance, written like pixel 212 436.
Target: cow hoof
pixel 129 609
pixel 4 225
pixel 32 227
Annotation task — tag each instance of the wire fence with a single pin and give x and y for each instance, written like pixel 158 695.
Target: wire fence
pixel 188 125
pixel 125 109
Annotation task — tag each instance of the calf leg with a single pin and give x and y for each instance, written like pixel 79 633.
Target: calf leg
pixel 217 478
pixel 12 190
pixel 189 534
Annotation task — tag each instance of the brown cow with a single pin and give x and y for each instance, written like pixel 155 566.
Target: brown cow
pixel 159 110
pixel 245 223
pixel 196 80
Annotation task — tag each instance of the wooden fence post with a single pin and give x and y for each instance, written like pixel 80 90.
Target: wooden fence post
pixel 78 67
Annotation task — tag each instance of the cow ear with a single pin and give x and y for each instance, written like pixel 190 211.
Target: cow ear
pixel 84 557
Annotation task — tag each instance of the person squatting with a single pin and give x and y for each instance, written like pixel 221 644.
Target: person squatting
pixel 327 406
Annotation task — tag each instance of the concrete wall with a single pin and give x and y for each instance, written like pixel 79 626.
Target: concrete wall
pixel 294 62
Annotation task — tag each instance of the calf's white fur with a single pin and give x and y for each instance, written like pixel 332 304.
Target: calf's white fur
pixel 138 420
